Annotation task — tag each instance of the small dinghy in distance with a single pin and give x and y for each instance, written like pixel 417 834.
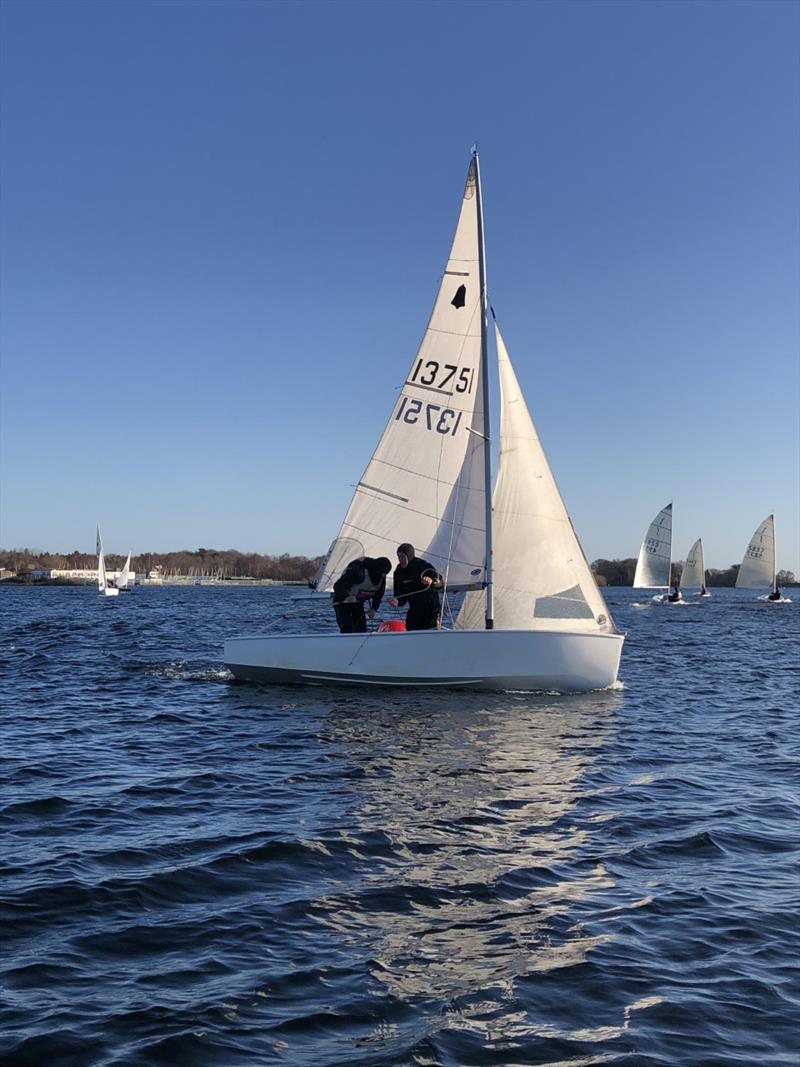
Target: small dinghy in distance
pixel 694 573
pixel 429 482
pixel 104 586
pixel 758 565
pixel 654 565
pixel 123 580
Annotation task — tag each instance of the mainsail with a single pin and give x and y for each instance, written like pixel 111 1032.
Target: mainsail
pixel 425 481
pixel 655 555
pixel 758 566
pixel 694 573
pixel 541 577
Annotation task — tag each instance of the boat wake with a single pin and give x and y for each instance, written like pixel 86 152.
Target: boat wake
pixel 183 671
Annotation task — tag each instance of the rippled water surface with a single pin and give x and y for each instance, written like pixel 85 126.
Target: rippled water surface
pixel 196 872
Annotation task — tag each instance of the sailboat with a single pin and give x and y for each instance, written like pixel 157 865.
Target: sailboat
pixel 532 616
pixel 758 565
pixel 104 587
pixel 123 581
pixel 694 573
pixel 654 565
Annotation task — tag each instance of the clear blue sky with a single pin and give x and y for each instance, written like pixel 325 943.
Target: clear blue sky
pixel 224 223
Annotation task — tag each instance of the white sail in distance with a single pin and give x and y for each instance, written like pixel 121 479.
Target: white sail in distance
pixel 655 555
pixel 758 566
pixel 102 580
pixel 125 574
pixel 541 577
pixel 425 481
pixel 694 573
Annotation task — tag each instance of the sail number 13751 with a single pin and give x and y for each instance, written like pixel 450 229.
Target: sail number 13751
pixel 440 375
pixel 433 416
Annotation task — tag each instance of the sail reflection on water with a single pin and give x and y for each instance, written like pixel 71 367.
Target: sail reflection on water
pixel 476 856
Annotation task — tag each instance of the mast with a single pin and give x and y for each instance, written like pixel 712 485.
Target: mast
pixel 487 449
pixel 774 559
pixel 669 565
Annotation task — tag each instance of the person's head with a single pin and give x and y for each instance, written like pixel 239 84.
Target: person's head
pixel 378 568
pixel 405 553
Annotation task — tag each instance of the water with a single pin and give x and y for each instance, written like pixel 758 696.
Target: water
pixel 201 873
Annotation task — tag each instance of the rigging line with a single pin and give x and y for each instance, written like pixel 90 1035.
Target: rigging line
pixel 337 603
pixel 413 511
pixel 382 537
pixel 408 470
pixel 453 333
pixel 361 645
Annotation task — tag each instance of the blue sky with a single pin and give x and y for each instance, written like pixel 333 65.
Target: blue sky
pixel 224 223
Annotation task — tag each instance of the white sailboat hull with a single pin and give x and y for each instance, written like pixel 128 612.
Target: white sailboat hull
pixel 459 659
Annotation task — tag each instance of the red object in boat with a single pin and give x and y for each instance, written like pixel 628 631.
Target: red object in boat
pixel 392 626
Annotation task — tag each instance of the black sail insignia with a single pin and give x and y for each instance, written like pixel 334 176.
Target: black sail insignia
pixel 460 299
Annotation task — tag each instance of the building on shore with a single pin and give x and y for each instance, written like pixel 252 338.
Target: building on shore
pixel 89 574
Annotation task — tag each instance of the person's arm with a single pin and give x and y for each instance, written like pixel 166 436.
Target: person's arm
pixel 430 572
pixel 399 584
pixel 377 596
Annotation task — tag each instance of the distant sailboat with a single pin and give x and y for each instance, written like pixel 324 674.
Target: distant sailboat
pixel 694 572
pixel 758 565
pixel 654 565
pixel 105 588
pixel 123 581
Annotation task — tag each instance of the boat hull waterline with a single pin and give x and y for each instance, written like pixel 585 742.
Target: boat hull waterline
pixel 552 660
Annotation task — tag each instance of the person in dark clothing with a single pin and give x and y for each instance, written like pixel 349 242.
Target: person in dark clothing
pixel 675 595
pixel 417 584
pixel 362 580
pixel 774 595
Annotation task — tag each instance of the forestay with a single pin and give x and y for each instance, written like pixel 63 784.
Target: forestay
pixel 541 577
pixel 758 566
pixel 694 573
pixel 655 555
pixel 425 481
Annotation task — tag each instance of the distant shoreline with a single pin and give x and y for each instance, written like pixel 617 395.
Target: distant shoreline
pixel 221 583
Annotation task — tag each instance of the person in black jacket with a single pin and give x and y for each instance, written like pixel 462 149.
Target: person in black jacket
pixel 417 583
pixel 362 580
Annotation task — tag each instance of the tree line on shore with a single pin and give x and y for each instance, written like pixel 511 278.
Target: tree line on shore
pixel 228 563
pixel 223 563
pixel 622 571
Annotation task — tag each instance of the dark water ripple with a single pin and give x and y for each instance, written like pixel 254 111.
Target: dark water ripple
pixel 202 873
